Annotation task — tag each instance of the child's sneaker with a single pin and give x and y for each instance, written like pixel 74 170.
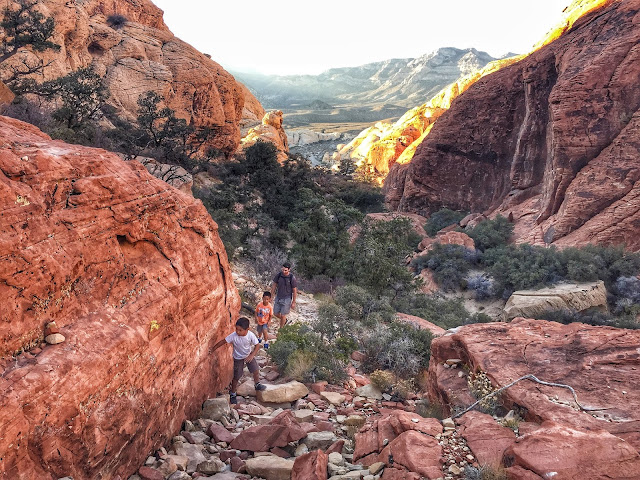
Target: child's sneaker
pixel 259 340
pixel 233 398
pixel 266 345
pixel 260 387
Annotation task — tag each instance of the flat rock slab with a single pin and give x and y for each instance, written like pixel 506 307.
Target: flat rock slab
pixel 485 437
pixel 334 398
pixel 270 467
pixel 369 391
pixel 283 393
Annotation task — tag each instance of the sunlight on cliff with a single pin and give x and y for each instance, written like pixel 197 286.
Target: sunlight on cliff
pixel 379 147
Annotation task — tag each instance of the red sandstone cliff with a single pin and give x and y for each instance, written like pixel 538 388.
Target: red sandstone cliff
pixel 135 275
pixel 553 140
pixel 144 55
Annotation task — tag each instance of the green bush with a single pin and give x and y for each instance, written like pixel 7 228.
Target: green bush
pixel 364 307
pixel 397 346
pixel 449 264
pixel 446 313
pixel 441 219
pixel 491 233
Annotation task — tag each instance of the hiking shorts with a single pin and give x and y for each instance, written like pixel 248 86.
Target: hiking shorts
pixel 282 306
pixel 262 328
pixel 238 367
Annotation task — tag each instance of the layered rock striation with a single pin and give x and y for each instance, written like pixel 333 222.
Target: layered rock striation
pixel 552 141
pixel 137 280
pixel 142 55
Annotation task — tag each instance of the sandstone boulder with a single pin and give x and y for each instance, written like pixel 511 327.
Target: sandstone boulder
pixel 283 393
pixel 281 430
pixel 600 363
pixel 575 297
pixel 485 437
pixel 116 259
pixel 143 55
pixel 270 467
pixel 421 323
pixel 216 408
pixel 416 453
pixel 573 453
pixel 270 130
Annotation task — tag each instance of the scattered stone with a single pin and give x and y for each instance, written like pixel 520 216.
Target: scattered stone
pixel 197 438
pixel 247 388
pixel 303 415
pixel 333 398
pixel 369 391
pixel 180 461
pixel 375 468
pixel 358 356
pixel 179 475
pixel 301 449
pixel 219 434
pixel 453 361
pixel 319 387
pixel 216 408
pixel 285 392
pixel 311 466
pixel 238 465
pixel 336 446
pixel 321 440
pixel 336 458
pixel 270 467
pixel 148 473
pixel 54 338
pixel 448 423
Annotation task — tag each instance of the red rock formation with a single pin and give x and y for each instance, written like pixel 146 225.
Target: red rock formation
pixel 135 276
pixel 553 140
pixel 310 466
pixel 270 130
pixel 602 364
pixel 140 56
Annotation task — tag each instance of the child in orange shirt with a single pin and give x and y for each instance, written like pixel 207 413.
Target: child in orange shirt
pixel 264 311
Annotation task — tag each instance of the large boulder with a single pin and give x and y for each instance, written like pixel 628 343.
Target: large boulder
pixel 283 392
pixel 571 453
pixel 277 433
pixel 575 297
pixel 270 130
pixel 421 323
pixel 136 278
pixel 485 437
pixel 600 363
pixel 552 140
pixel 270 467
pixel 310 466
pixel 139 56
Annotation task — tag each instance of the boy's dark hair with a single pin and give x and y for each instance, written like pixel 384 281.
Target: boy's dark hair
pixel 286 265
pixel 243 323
pixel 267 294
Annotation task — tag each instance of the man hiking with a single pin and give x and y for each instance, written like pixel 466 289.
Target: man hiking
pixel 287 287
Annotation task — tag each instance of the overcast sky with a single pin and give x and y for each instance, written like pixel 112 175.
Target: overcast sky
pixel 298 36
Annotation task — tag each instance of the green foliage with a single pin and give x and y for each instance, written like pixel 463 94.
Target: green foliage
pixel 446 313
pixel 363 306
pixel 22 27
pixel 376 260
pixel 396 346
pixel 491 233
pixel 449 264
pixel 322 237
pixel 441 219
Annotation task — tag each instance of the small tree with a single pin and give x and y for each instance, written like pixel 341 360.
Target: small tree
pixel 24 26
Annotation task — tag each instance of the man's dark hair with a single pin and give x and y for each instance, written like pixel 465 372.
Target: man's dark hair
pixel 267 294
pixel 286 265
pixel 243 322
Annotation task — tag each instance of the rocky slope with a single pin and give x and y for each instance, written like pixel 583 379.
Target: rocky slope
pixel 136 278
pixel 140 56
pixel 551 141
pixel 404 81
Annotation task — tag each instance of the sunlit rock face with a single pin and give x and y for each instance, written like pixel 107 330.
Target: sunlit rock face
pixel 384 144
pixel 137 280
pixel 270 130
pixel 143 55
pixel 552 141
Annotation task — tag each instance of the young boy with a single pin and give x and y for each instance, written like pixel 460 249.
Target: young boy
pixel 243 341
pixel 264 311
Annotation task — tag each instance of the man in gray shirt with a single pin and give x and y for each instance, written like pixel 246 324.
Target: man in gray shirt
pixel 287 287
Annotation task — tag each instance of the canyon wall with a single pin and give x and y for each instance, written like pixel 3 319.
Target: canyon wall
pixel 552 141
pixel 135 276
pixel 143 55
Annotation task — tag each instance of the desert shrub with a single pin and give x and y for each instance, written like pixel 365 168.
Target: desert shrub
pixel 441 219
pixel 603 319
pixel 491 233
pixel 375 261
pixel 481 285
pixel 382 379
pixel 299 365
pixel 332 322
pixel 446 313
pixel 362 306
pixel 404 388
pixel 628 288
pixel 449 264
pixel 485 472
pixel 398 347
pixel 523 266
pixel 116 21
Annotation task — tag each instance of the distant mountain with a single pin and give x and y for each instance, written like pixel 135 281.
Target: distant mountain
pixel 401 81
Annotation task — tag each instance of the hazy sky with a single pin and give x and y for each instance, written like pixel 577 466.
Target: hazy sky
pixel 298 36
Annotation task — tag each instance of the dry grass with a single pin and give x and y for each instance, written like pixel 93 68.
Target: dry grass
pixel 382 379
pixel 486 472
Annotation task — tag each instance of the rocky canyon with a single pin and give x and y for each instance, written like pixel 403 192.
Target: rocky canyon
pixel 551 141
